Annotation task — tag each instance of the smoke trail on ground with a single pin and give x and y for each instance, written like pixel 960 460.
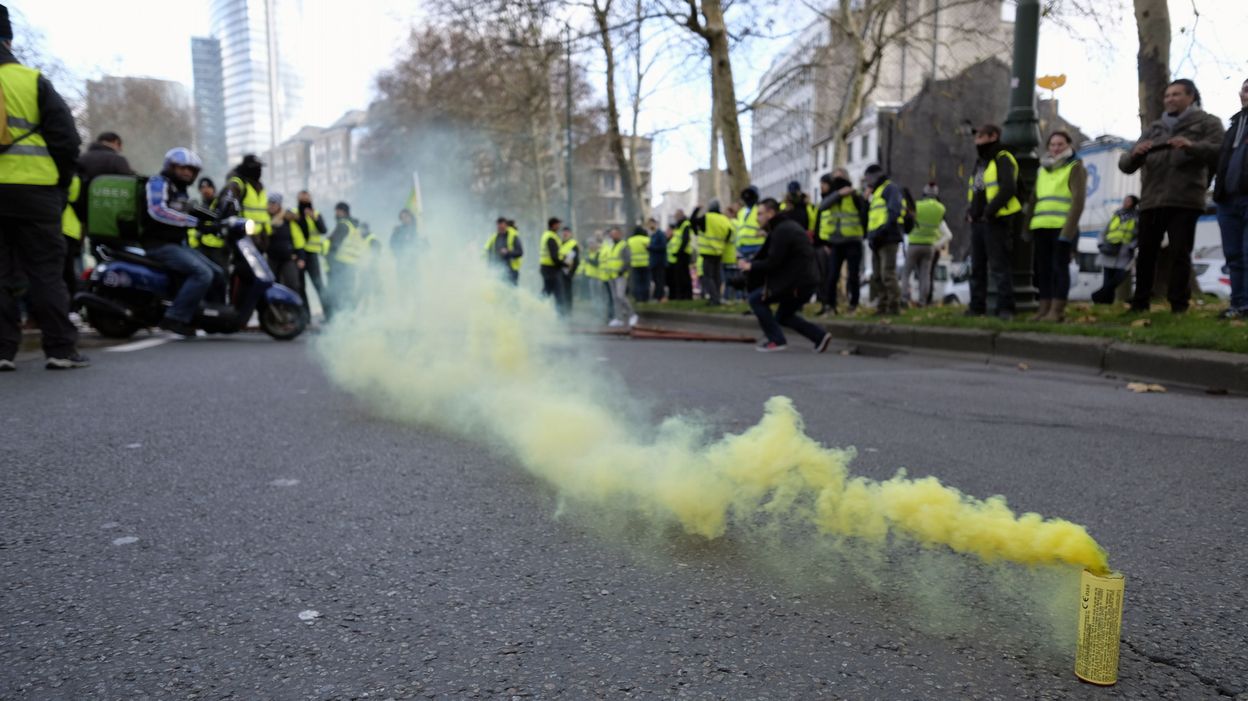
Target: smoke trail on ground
pixel 440 340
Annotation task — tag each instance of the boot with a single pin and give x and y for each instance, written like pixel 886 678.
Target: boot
pixel 1043 311
pixel 1057 311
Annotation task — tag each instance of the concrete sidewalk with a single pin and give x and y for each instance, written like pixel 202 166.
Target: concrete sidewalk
pixel 1203 369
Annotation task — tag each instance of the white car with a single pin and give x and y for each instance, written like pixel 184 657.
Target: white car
pixel 1212 276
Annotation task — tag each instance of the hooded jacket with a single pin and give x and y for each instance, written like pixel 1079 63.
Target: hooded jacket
pixel 786 262
pixel 1177 177
pixel 1221 191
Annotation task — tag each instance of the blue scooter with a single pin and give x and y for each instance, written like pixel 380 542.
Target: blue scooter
pixel 127 291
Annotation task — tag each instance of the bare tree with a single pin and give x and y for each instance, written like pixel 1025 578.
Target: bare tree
pixel 862 37
pixel 705 18
pixel 602 22
pixel 1152 21
pixel 152 116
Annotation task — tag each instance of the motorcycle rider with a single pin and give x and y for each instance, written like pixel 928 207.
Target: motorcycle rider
pixel 165 229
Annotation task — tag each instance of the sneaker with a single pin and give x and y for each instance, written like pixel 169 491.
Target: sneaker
pixel 632 320
pixel 181 328
pixel 1226 315
pixel 77 360
pixel 770 347
pixel 615 323
pixel 7 366
pixel 822 345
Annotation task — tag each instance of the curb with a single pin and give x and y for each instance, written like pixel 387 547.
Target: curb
pixel 1203 369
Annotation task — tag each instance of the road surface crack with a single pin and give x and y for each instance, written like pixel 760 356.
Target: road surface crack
pixel 1172 663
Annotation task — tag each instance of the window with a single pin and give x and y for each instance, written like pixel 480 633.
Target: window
pixel 865 137
pixel 608 184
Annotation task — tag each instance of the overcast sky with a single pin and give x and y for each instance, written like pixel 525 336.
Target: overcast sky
pixel 152 38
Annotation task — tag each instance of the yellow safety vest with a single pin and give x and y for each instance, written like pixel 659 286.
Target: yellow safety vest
pixel 511 243
pixel 70 226
pixel 544 254
pixel 612 264
pixel 673 244
pixel 567 247
pixel 811 212
pixel 198 240
pixel 991 188
pixel 638 251
pixel 312 237
pixel 1121 231
pixel 255 206
pixel 1053 197
pixel 748 233
pixel 842 219
pixel 297 238
pixel 24 156
pixel 715 238
pixel 590 267
pixel 354 247
pixel 877 215
pixel 928 214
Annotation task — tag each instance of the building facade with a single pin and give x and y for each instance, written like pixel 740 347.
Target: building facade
pixel 801 93
pixel 151 116
pixel 599 195
pixel 700 192
pixel 324 161
pixel 261 87
pixel 209 105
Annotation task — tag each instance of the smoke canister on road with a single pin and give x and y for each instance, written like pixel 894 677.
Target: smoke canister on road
pixel 1100 625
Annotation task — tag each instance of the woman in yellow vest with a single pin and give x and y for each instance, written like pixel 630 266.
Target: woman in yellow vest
pixel 1056 205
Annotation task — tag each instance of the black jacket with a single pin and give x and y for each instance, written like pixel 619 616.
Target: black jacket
pixel 60 133
pixel 99 159
pixel 786 261
pixel 1224 160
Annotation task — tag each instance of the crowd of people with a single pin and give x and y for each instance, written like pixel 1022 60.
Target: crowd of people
pixel 735 252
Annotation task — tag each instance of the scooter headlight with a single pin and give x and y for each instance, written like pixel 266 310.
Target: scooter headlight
pixel 249 227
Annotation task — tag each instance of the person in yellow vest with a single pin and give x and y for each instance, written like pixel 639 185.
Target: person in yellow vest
pixel 244 195
pixel 210 243
pixel 840 230
pixel 885 216
pixel 350 245
pixel 714 244
pixel 929 234
pixel 312 225
pixel 679 246
pixel 1116 245
pixel 71 226
pixel 615 271
pixel 504 249
pixel 993 210
pixel 38 149
pixel 639 264
pixel 569 261
pixel 798 208
pixel 1056 205
pixel 548 257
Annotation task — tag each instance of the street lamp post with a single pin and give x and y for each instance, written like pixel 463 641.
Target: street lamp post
pixel 1022 136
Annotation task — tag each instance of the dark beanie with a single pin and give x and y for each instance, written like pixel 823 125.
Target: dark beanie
pixel 794 187
pixel 343 206
pixel 6 29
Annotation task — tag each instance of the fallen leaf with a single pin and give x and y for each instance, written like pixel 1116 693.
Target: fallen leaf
pixel 1237 323
pixel 1024 366
pixel 1142 322
pixel 1141 387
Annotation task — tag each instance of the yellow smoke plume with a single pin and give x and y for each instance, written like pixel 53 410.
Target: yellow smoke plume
pixel 451 346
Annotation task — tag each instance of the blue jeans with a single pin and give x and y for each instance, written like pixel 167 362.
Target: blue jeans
pixel 1233 220
pixel 198 273
pixel 1052 264
pixel 786 314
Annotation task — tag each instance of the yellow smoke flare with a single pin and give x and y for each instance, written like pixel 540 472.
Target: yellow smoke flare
pixel 454 348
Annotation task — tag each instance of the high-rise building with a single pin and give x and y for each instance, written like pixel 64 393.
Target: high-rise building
pixel 261 85
pixel 209 105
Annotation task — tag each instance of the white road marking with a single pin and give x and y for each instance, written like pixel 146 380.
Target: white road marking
pixel 125 540
pixel 309 615
pixel 284 482
pixel 140 345
pixel 132 446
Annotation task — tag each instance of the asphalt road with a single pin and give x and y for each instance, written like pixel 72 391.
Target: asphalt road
pixel 168 514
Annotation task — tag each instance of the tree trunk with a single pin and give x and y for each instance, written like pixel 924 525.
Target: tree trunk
pixel 1152 21
pixel 724 95
pixel 715 186
pixel 615 139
